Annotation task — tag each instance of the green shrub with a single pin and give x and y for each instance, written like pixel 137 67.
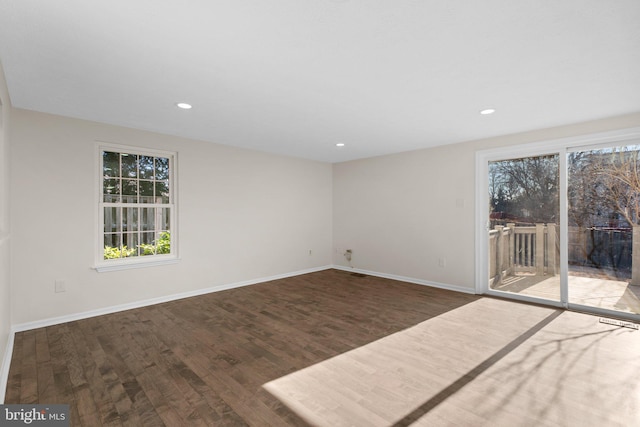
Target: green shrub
pixel 115 253
pixel 147 249
pixel 162 245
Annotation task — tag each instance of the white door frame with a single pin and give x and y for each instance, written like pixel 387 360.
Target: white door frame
pixel 556 146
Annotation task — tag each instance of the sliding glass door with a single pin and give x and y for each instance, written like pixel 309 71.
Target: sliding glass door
pixel 524 217
pixel 603 195
pixel 559 224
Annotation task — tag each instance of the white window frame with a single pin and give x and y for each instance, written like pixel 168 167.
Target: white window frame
pixel 102 265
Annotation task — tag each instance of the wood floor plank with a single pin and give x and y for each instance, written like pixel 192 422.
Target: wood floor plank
pixel 87 346
pixel 46 386
pixel 61 377
pixel 205 360
pixel 14 381
pixel 189 387
pixel 29 383
pixel 117 374
pixel 42 346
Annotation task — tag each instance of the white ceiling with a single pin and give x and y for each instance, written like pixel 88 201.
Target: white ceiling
pixel 296 77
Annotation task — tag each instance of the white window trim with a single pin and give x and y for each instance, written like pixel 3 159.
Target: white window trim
pixel 101 265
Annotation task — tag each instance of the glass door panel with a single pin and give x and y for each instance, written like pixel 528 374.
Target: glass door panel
pixel 603 199
pixel 524 233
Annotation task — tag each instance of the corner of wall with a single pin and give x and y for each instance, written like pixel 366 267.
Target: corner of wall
pixel 6 334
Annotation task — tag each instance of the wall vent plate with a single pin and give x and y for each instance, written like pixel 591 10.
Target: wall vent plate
pixel 619 323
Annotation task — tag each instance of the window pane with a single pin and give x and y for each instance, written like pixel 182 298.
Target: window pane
pixel 524 239
pixel 111 220
pixel 163 243
pixel 146 192
pixel 129 166
pixel 129 219
pixel 147 245
pixel 129 191
pixel 111 190
pixel 162 192
pixel 146 167
pixel 112 246
pixel 112 240
pixel 162 168
pixel 110 164
pixel 148 222
pixel 603 209
pixel 130 244
pixel 164 219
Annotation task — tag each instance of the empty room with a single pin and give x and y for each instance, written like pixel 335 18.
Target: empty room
pixel 326 213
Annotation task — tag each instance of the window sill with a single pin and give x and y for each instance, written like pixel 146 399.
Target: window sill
pixel 103 268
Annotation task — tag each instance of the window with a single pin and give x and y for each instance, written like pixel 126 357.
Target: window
pixel 136 207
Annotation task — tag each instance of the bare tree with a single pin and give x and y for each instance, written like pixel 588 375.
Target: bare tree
pixel 526 187
pixel 618 173
pixel 584 192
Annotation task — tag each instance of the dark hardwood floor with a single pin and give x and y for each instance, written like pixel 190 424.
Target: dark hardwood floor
pixel 203 360
pixel 339 350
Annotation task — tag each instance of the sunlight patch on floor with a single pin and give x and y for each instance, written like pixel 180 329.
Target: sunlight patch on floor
pixel 445 371
pixel 590 291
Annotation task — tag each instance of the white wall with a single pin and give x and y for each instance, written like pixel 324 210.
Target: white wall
pixel 5 235
pixel 243 215
pixel 401 213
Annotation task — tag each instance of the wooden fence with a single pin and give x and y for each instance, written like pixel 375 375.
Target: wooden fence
pixel 603 248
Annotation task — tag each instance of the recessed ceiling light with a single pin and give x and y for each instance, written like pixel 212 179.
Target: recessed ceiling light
pixel 183 105
pixel 487 111
pixel 340 144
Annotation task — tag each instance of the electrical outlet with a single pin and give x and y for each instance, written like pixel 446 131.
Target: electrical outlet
pixel 310 252
pixel 60 286
pixel 442 262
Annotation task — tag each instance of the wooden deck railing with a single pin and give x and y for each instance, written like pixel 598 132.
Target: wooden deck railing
pixel 532 249
pixel 536 250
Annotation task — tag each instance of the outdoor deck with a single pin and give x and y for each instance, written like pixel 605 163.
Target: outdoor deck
pixel 591 291
pixel 525 260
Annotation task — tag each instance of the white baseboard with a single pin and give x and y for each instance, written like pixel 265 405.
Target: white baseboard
pixel 408 279
pixel 6 362
pixel 144 303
